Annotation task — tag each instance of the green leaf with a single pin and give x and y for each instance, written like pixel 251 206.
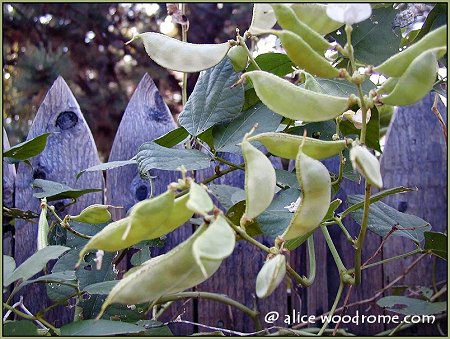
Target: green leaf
pixel 59 292
pixel 274 220
pixel 383 217
pixel 227 195
pixel 172 138
pixel 103 287
pixel 154 328
pixel 35 263
pixel 411 306
pixel 107 166
pixel 99 328
pixel 213 100
pixel 436 243
pixel 275 63
pixel 19 328
pixel 55 191
pixel 251 99
pixel 9 264
pixel 152 156
pixel 343 88
pixel 373 39
pixel 27 149
pixel 141 256
pixel 287 178
pixel 227 136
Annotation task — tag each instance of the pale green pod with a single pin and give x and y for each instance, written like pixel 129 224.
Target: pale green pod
pixel 182 56
pixel 397 64
pixel 304 56
pixel 367 165
pixel 416 82
pixel 287 19
pixel 315 184
pixel 94 214
pixel 43 229
pixel 260 182
pixel 175 271
pixel 311 84
pixel 388 85
pixel 315 17
pixel 294 102
pixel 239 58
pixel 270 276
pixel 286 145
pixel 216 243
pixel 263 18
pixel 199 200
pixel 180 214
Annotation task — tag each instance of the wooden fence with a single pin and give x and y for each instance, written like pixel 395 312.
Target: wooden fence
pixel 415 155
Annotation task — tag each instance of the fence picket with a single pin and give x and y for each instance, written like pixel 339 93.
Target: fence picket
pixel 70 149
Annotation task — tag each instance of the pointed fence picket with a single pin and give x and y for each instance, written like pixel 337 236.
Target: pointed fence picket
pixel 71 149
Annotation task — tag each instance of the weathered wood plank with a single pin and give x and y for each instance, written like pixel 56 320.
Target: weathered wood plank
pixel 69 150
pixel 146 117
pixel 237 275
pixel 416 156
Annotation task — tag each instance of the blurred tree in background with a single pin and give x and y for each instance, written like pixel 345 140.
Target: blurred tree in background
pixel 85 43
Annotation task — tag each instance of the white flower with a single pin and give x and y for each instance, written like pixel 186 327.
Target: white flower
pixel 349 13
pixel 356 118
pixel 99 259
pixel 292 207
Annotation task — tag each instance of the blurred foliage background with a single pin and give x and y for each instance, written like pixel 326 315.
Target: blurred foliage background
pixel 85 43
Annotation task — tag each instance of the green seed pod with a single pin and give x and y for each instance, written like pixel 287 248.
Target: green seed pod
pixel 311 84
pixel 94 214
pixel 180 214
pixel 239 58
pixel 304 56
pixel 199 200
pixel 260 181
pixel 315 184
pixel 270 276
pixel 388 85
pixel 397 64
pixel 286 145
pixel 417 80
pixel 43 228
pixel 182 56
pixel 367 165
pixel 263 19
pixel 294 102
pixel 178 269
pixel 315 17
pixel 288 20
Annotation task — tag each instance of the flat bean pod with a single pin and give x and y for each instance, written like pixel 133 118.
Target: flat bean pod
pixel 43 229
pixel 260 181
pixel 315 16
pixel 417 80
pixel 287 19
pixel 397 64
pixel 199 200
pixel 270 276
pixel 239 58
pixel 367 165
pixel 388 85
pixel 304 56
pixel 315 184
pixel 178 269
pixel 94 214
pixel 286 145
pixel 263 18
pixel 182 56
pixel 294 102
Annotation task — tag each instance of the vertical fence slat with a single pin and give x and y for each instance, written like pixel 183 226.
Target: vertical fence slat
pixel 69 150
pixel 416 156
pixel 9 175
pixel 146 117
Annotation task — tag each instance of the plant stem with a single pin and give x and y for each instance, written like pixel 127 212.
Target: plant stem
pixel 349 47
pixel 341 170
pixel 302 280
pixel 229 163
pixel 32 317
pixel 334 252
pixel 344 230
pixel 184 39
pixel 416 251
pixel 364 115
pixel 362 235
pixel 333 308
pixel 250 56
pixel 243 234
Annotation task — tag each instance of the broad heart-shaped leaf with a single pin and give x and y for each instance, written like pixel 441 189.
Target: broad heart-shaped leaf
pixel 383 217
pixel 107 166
pixel 153 156
pixel 154 328
pixel 227 136
pixel 342 88
pixel 373 39
pixel 9 265
pixel 103 287
pixel 411 306
pixel 275 63
pixel 27 149
pixel 436 243
pixel 172 138
pixel 35 263
pixel 213 100
pixel 287 178
pixel 274 220
pixel 55 191
pixel 64 278
pixel 24 328
pixel 227 195
pixel 99 328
